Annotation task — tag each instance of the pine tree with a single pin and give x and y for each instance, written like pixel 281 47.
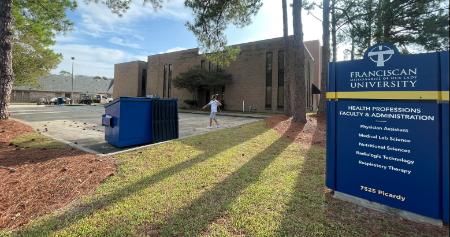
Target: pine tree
pixel 287 71
pixel 325 55
pixel 419 24
pixel 298 87
pixel 6 72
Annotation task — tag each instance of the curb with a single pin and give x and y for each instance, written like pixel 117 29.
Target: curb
pixel 256 116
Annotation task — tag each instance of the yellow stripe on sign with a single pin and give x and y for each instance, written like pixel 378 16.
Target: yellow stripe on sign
pixel 391 95
pixel 444 95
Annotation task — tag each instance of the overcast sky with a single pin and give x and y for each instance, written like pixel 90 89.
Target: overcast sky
pixel 100 39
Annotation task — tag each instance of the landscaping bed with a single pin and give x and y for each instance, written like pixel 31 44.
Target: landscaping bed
pixel 39 175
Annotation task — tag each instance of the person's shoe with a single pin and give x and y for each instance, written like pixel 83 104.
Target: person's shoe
pixel 209 127
pixel 218 126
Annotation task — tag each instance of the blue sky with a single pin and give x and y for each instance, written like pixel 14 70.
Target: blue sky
pixel 100 39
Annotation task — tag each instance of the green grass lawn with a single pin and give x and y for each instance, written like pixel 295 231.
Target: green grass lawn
pixel 241 181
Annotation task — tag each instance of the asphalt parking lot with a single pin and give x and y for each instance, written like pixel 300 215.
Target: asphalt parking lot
pixel 81 125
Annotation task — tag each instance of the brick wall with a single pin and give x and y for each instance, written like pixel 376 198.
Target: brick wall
pixel 248 71
pixel 128 78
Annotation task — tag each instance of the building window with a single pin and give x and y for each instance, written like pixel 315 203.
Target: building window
pixel 203 64
pixel 308 86
pixel 165 81
pixel 144 83
pixel 210 66
pixel 280 90
pixel 268 80
pixel 169 81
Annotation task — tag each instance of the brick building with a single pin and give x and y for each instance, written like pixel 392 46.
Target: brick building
pixel 257 83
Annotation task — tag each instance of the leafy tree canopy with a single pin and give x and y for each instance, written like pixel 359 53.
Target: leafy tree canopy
pixel 119 7
pixel 197 78
pixel 35 25
pixel 420 24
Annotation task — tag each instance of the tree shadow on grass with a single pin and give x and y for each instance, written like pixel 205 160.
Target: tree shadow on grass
pixel 195 218
pixel 83 210
pixel 312 211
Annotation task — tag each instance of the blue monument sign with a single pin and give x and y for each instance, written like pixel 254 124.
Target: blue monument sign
pixel 388 134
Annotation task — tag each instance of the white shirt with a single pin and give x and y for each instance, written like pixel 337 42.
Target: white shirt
pixel 214 104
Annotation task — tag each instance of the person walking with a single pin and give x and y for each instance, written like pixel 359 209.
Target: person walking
pixel 214 104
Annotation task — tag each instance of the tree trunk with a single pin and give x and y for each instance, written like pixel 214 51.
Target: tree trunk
pixel 6 72
pixel 333 29
pixel 379 22
pixel 325 56
pixel 287 76
pixel 369 24
pixel 387 21
pixel 352 50
pixel 298 83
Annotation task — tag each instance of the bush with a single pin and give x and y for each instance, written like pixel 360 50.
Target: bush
pixel 196 77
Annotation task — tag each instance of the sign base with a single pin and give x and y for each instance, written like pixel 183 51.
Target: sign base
pixel 386 209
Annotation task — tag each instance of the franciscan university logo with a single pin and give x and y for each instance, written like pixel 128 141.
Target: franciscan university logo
pixel 377 55
pixel 383 77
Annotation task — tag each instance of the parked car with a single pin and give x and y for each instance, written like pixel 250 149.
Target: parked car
pixel 43 101
pixel 59 100
pixel 102 99
pixel 53 101
pixel 87 100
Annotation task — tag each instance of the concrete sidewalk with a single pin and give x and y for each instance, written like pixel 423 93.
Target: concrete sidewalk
pixel 80 126
pixel 232 114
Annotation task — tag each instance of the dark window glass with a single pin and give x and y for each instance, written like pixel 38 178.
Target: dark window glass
pixel 165 81
pixel 280 90
pixel 169 82
pixel 308 86
pixel 202 64
pixel 269 80
pixel 144 83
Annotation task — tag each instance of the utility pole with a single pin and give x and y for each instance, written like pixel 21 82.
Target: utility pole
pixel 71 95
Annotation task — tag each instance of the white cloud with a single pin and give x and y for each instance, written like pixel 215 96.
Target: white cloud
pixel 124 43
pixel 172 50
pixel 66 38
pixel 140 57
pixel 99 22
pixel 98 19
pixel 136 36
pixel 92 60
